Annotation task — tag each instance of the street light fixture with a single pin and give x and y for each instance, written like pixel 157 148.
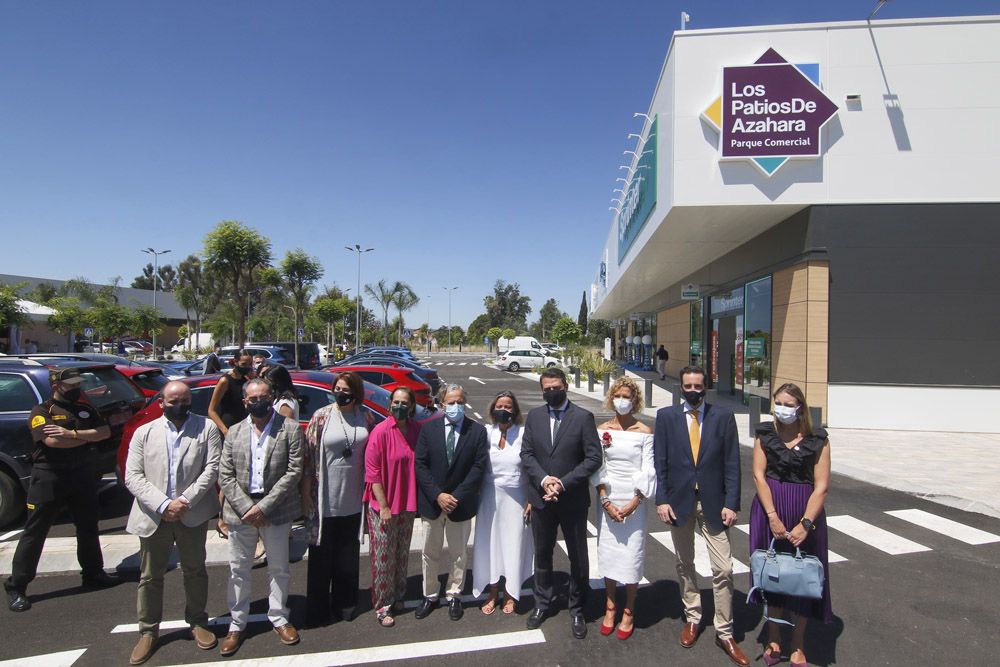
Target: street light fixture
pixel 449 290
pixel 357 321
pixel 156 275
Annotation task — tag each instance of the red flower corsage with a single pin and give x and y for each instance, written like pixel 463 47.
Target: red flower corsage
pixel 606 440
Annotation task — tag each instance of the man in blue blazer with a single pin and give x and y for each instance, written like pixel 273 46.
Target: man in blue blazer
pixel 697 457
pixel 449 460
pixel 560 450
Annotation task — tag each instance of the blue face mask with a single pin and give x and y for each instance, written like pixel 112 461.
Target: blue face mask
pixel 454 412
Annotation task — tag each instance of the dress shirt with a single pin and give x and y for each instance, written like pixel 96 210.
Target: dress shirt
pixel 258 447
pixel 458 431
pixel 173 438
pixel 688 409
pixel 552 416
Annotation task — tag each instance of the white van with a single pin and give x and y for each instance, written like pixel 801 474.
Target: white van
pixel 193 342
pixel 519 343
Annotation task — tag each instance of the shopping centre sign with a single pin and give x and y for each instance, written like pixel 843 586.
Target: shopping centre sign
pixel 640 194
pixel 769 112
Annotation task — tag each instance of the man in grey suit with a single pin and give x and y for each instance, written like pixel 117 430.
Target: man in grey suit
pixel 171 469
pixel 259 474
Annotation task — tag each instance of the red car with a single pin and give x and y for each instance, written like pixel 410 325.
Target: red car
pixel 313 388
pixel 391 378
pixel 149 380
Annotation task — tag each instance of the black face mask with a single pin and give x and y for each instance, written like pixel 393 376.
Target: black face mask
pixel 343 398
pixel 554 397
pixel 72 395
pixel 241 371
pixel 260 408
pixel 177 412
pixel 693 398
pixel 503 416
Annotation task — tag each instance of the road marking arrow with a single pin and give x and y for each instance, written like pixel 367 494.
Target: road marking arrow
pixel 476 379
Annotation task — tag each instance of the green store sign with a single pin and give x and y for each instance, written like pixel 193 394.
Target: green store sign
pixel 640 194
pixel 755 348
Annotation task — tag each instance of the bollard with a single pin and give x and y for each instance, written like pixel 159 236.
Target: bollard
pixel 755 404
pixel 649 393
pixel 607 383
pixel 576 378
pixel 816 414
pixel 590 381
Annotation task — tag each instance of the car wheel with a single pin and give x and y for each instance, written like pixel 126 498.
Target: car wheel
pixel 514 367
pixel 551 364
pixel 11 499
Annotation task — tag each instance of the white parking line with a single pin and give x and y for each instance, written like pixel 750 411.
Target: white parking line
pixel 180 625
pixel 478 416
pixel 7 536
pixel 451 363
pixel 702 561
pixel 832 556
pixel 874 536
pixel 361 656
pixel 944 526
pixel 61 659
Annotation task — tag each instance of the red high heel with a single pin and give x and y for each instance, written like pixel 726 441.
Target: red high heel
pixel 608 629
pixel 625 634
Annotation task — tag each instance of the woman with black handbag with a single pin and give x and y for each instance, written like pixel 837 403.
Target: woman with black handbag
pixel 791 470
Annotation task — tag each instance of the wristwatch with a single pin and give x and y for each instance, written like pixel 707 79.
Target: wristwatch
pixel 807 524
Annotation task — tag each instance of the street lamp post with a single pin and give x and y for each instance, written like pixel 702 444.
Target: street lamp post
pixel 357 320
pixel 449 291
pixel 156 275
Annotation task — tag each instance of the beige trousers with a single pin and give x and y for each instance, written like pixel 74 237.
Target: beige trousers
pixel 154 557
pixel 451 559
pixel 721 557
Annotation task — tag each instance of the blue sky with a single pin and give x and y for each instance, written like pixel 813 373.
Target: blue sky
pixel 466 141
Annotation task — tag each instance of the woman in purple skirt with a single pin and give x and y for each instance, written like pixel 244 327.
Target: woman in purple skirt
pixel 791 470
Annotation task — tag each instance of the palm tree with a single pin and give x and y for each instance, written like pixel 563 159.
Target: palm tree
pixel 404 299
pixel 383 294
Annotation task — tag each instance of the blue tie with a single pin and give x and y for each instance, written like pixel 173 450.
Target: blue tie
pixel 557 415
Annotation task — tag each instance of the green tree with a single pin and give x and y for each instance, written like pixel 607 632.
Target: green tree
pixel 236 252
pixel 494 333
pixel 404 299
pixel 548 315
pixel 11 312
pixel 145 320
pixel 42 293
pixel 332 311
pixel 597 331
pixel 191 292
pixel 383 294
pixel 566 331
pixel 478 328
pixel 166 283
pixel 507 307
pixel 581 319
pixel 509 333
pixel 69 317
pixel 300 272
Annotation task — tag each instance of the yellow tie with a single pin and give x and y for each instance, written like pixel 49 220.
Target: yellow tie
pixel 694 433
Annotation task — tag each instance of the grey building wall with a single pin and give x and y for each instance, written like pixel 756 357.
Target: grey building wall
pixel 128 296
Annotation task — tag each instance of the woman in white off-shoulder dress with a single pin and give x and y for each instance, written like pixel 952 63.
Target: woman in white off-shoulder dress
pixel 625 480
pixel 504 548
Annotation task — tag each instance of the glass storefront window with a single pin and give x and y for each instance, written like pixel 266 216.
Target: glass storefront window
pixel 756 356
pixel 696 351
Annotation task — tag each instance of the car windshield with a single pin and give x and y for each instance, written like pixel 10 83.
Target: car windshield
pixel 104 386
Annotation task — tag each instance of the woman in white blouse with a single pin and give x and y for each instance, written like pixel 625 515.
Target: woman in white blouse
pixel 503 547
pixel 626 478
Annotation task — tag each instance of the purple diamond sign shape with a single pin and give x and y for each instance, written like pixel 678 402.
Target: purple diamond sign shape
pixel 771 111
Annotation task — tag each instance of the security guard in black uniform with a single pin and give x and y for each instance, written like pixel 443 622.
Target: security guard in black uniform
pixel 63 475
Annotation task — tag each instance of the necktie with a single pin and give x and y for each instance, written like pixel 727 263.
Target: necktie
pixel 557 416
pixel 694 433
pixel 449 443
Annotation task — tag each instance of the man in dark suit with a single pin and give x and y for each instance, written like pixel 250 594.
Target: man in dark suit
pixel 560 450
pixel 450 458
pixel 697 457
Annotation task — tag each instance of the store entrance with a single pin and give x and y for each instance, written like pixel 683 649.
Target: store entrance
pixel 724 354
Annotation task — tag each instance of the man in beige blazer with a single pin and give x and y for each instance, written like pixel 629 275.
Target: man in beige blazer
pixel 171 470
pixel 259 474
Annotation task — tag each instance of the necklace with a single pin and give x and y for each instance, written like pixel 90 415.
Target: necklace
pixel 348 449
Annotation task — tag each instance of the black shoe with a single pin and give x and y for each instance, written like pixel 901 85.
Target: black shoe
pixel 455 610
pixel 100 580
pixel 17 601
pixel 535 618
pixel 425 608
pixel 579 626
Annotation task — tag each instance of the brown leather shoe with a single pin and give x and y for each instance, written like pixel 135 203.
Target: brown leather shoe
pixel 734 651
pixel 143 650
pixel 203 637
pixel 288 635
pixel 689 635
pixel 231 644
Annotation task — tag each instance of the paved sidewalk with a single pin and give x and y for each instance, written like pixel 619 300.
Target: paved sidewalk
pixel 955 469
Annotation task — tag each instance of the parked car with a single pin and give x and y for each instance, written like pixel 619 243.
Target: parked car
pixel 515 360
pixel 519 343
pixel 553 347
pixel 428 375
pixel 24 383
pixel 309 353
pixel 272 353
pixel 313 388
pixel 390 378
pixel 150 380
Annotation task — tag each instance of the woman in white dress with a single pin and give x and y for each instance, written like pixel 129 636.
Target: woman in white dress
pixel 626 478
pixel 504 548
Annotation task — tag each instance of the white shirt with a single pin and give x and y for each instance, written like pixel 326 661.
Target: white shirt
pixel 173 438
pixel 552 417
pixel 700 410
pixel 258 447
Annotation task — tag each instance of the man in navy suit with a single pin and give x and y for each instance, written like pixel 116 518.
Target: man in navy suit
pixel 449 460
pixel 697 457
pixel 560 450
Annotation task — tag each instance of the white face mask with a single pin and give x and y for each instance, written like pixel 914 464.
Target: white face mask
pixel 623 406
pixel 785 414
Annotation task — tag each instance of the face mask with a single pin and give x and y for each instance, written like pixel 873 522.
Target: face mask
pixel 693 398
pixel 343 398
pixel 177 412
pixel 785 414
pixel 260 408
pixel 554 397
pixel 72 395
pixel 623 406
pixel 400 412
pixel 503 416
pixel 240 370
pixel 454 412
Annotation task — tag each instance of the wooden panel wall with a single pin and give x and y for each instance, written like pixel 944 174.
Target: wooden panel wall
pixel 673 330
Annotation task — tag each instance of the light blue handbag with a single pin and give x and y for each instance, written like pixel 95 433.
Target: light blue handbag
pixel 799 575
